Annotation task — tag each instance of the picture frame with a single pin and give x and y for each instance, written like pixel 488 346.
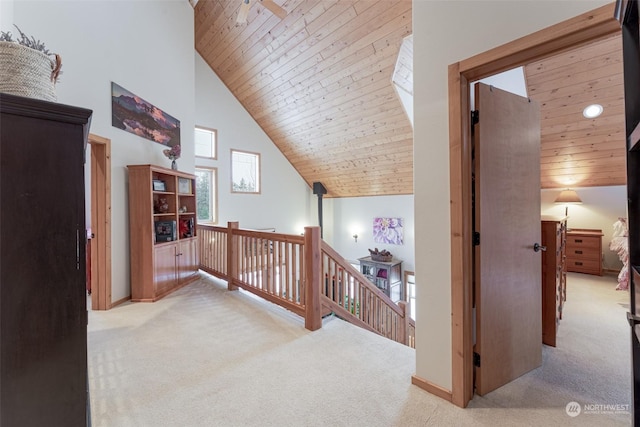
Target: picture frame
pixel 184 186
pixel 388 230
pixel 186 228
pixel 159 185
pixel 165 231
pixel 133 114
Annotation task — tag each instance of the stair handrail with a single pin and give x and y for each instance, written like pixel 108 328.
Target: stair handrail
pixel 390 319
pixel 256 261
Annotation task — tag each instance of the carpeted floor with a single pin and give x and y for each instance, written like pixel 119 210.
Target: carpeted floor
pixel 204 356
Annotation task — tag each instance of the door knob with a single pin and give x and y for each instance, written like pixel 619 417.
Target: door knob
pixel 538 247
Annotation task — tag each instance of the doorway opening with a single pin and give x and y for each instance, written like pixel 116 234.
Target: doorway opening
pixel 574 32
pixel 100 222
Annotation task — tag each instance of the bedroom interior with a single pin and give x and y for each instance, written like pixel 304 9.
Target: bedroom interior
pixel 254 98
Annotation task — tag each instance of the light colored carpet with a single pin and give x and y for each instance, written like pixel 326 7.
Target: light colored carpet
pixel 204 356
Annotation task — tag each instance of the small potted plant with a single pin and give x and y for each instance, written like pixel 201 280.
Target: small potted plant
pixel 27 68
pixel 173 154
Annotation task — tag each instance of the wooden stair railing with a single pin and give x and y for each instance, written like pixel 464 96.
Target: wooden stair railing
pixel 302 274
pixel 353 298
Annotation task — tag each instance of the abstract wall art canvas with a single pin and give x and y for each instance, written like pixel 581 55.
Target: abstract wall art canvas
pixel 133 114
pixel 388 231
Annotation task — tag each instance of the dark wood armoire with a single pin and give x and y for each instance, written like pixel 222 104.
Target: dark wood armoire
pixel 43 305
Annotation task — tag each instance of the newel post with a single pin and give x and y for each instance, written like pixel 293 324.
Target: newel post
pixel 232 255
pixel 313 278
pixel 404 323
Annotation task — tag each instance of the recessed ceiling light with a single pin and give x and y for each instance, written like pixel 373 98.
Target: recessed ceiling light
pixel 592 111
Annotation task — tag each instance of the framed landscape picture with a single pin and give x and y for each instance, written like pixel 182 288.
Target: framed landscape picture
pixel 133 114
pixel 159 185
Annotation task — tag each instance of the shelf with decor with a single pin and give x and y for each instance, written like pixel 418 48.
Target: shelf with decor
pixel 163 232
pixel 386 275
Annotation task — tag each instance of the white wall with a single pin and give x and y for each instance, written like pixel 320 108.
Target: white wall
pixel 600 208
pixel 446 32
pixel 355 216
pixel 144 46
pixel 6 16
pixel 285 199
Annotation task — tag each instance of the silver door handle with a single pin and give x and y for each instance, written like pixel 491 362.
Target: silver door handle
pixel 538 247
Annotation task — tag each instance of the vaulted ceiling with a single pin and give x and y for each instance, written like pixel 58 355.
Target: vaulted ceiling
pixel 319 83
pixel 575 151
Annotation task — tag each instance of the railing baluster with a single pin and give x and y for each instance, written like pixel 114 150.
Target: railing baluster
pixel 287 267
pixel 275 267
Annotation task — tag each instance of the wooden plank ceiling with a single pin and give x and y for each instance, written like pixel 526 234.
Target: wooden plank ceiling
pixel 579 152
pixel 318 82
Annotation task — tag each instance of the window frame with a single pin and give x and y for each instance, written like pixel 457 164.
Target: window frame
pixel 214 148
pixel 213 203
pixel 257 172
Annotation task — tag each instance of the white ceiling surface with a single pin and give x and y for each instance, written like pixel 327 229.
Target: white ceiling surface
pixel 511 81
pixel 403 76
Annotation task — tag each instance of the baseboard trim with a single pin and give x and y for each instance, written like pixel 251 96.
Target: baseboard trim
pixel 120 301
pixel 431 388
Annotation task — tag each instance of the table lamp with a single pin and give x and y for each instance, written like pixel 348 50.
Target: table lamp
pixel 568 197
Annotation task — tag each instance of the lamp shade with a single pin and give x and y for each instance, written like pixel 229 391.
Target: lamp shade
pixel 568 196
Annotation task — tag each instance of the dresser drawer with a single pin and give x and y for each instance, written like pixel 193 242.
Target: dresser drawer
pixel 583 241
pixel 591 266
pixel 583 253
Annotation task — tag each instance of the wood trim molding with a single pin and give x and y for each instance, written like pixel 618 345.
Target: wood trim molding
pixel 598 23
pixel 121 301
pixel 101 222
pixel 431 388
pixel 568 34
pixel 461 245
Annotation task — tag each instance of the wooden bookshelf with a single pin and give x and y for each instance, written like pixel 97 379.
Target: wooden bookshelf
pixel 162 223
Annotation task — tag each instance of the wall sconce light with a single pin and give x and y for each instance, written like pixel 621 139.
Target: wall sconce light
pixel 355 237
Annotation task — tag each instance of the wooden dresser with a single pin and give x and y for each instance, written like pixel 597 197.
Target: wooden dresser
pixel 554 282
pixel 584 251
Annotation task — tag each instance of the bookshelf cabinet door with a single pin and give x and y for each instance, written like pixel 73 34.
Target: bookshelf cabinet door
pixel 165 276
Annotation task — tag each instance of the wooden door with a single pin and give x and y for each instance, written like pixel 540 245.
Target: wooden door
pixel 507 217
pixel 100 222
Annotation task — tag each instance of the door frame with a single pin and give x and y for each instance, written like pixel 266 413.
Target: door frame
pixel 574 32
pixel 100 222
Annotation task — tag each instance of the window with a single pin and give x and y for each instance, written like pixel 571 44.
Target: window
pixel 207 194
pixel 245 172
pixel 206 142
pixel 410 291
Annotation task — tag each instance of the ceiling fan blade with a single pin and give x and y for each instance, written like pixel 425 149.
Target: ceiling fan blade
pixel 274 8
pixel 243 12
